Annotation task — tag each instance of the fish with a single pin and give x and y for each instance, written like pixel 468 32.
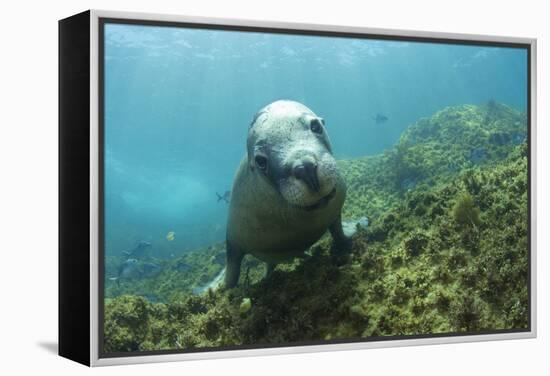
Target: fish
pixel 225 197
pixel 138 250
pixel 380 118
pixel 171 236
pixel 127 270
pixel 133 268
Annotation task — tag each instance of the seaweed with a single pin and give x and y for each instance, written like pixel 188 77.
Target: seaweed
pixel 465 212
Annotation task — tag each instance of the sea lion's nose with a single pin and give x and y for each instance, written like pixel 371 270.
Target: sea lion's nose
pixel 306 171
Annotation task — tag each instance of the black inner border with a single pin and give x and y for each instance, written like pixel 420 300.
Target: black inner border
pixel 101 97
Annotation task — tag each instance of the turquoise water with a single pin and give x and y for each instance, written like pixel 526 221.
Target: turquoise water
pixel 178 103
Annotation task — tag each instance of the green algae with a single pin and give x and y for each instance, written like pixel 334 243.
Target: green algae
pixel 446 250
pixel 245 306
pixel 465 212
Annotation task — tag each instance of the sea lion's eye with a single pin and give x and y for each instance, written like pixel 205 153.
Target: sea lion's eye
pixel 316 126
pixel 261 162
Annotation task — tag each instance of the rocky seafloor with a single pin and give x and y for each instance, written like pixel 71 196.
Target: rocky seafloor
pixel 445 250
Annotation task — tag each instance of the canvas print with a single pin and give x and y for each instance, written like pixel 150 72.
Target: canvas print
pixel 269 188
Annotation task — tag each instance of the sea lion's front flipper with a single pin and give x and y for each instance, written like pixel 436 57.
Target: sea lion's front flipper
pixel 234 259
pixel 342 243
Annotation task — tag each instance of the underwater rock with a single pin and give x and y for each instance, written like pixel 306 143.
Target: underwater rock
pixel 453 167
pixel 518 137
pixel 408 183
pixel 478 155
pixel 449 255
pixel 182 266
pixel 126 323
pixel 504 138
pixel 416 243
pixel 150 270
pixel 499 138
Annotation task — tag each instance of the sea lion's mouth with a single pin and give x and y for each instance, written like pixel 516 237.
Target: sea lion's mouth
pixel 323 201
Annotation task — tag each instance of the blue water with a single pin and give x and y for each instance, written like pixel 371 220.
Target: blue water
pixel 178 103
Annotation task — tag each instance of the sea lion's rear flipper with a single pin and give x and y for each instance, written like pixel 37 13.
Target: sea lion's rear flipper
pixel 342 243
pixel 234 259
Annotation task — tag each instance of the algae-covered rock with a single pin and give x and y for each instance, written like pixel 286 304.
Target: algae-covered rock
pixel 432 151
pixel 161 280
pixel 445 250
pixel 126 323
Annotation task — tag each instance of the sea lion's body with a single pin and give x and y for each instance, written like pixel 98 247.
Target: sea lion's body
pixel 287 191
pixel 263 224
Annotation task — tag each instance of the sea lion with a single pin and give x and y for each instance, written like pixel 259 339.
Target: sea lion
pixel 287 191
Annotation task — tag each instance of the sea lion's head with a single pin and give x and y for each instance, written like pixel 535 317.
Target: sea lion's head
pixel 288 147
